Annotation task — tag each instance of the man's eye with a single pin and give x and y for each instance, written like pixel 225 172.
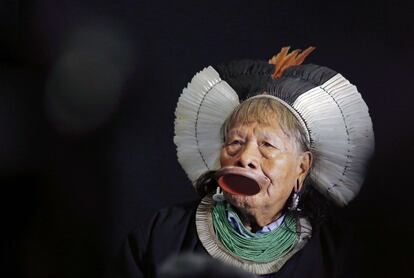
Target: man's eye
pixel 235 142
pixel 266 144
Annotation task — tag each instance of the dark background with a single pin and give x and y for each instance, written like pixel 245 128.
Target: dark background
pixel 87 97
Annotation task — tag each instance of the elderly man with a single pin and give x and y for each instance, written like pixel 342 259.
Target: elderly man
pixel 267 170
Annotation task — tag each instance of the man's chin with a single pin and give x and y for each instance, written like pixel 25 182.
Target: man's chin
pixel 243 201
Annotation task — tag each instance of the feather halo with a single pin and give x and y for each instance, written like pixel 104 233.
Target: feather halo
pixel 331 108
pixel 201 110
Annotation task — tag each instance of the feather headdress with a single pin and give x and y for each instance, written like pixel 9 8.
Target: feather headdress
pixel 329 107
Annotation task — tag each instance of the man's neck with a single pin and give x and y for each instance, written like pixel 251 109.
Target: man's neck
pixel 255 222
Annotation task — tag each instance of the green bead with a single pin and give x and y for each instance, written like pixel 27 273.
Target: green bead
pixel 258 248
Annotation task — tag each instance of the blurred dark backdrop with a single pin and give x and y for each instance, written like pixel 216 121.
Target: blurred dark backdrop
pixel 87 97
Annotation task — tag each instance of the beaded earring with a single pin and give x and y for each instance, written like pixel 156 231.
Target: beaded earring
pixel 295 199
pixel 218 196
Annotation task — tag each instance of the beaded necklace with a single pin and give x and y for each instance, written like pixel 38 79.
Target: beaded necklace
pixel 257 248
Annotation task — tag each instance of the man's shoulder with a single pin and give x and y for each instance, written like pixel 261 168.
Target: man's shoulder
pixel 175 214
pixel 166 221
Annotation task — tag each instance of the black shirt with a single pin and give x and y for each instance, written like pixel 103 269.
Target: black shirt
pixel 172 231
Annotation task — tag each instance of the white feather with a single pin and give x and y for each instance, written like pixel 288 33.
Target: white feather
pixel 202 109
pixel 342 137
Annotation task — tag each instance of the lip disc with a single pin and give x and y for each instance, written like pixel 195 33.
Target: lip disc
pixel 238 184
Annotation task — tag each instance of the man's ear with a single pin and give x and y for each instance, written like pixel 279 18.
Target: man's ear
pixel 305 164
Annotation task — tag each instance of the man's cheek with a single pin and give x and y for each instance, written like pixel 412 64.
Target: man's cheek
pixel 225 160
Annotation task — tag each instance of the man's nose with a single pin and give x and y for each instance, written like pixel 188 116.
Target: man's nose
pixel 249 157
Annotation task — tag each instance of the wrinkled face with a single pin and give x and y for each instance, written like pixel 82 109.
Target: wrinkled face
pixel 269 151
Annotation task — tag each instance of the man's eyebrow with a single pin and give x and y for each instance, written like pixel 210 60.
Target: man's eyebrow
pixel 236 132
pixel 269 135
pixel 264 133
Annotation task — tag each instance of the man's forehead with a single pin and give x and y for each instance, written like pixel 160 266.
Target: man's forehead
pixel 266 129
